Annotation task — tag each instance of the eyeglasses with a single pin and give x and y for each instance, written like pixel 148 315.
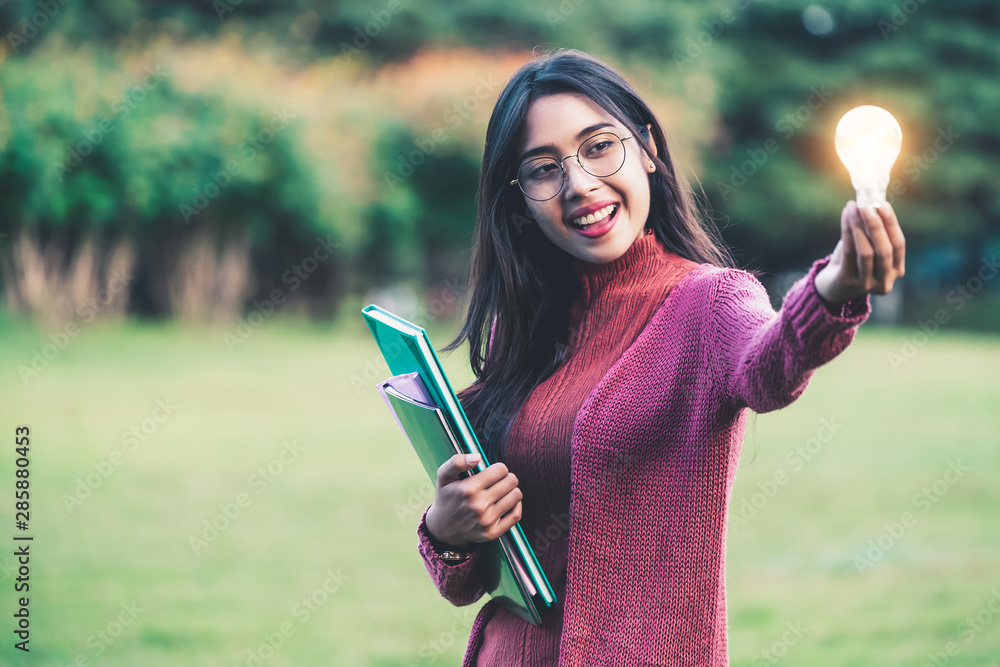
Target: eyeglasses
pixel 601 155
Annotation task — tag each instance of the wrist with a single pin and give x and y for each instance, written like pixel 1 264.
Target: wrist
pixel 441 545
pixel 829 288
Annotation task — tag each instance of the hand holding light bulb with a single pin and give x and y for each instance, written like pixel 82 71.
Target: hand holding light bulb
pixel 871 253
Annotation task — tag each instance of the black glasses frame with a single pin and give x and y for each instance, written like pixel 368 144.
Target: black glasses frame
pixel 562 167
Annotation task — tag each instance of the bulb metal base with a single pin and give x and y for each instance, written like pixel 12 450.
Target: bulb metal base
pixel 870 197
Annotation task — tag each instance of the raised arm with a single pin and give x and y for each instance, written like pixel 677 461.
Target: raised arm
pixel 764 359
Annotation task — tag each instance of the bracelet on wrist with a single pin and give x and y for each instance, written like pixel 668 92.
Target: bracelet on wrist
pixel 449 553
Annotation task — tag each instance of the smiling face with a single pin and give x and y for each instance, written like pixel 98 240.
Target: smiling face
pixel 562 122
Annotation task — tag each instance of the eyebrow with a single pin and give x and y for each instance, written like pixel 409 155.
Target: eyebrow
pixel 551 148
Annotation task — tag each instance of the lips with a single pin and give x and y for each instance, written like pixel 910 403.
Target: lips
pixel 602 226
pixel 585 216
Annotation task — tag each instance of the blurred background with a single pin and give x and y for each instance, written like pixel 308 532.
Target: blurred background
pixel 197 198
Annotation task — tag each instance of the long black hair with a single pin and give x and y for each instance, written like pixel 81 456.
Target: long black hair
pixel 521 283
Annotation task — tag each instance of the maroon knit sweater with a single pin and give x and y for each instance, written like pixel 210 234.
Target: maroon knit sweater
pixel 626 456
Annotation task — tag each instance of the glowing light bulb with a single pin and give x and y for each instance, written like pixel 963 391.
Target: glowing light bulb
pixel 868 140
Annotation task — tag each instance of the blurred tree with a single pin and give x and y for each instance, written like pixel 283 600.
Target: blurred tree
pixel 754 89
pixel 791 70
pixel 98 163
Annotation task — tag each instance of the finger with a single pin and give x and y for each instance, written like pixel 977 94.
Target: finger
pixel 493 493
pixel 451 470
pixel 513 516
pixel 506 522
pixel 488 477
pixel 837 256
pixel 862 249
pixel 850 259
pixel 883 265
pixel 896 238
pixel 502 506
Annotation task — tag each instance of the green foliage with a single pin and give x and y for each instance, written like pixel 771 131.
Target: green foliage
pixel 428 202
pixel 39 118
pixel 929 68
pixel 150 154
pixel 750 87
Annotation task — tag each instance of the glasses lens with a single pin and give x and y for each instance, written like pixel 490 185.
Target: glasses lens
pixel 540 179
pixel 603 154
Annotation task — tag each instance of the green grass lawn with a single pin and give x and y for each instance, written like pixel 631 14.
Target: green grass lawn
pixel 321 559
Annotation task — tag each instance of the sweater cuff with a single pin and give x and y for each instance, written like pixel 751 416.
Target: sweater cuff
pixel 431 547
pixel 812 317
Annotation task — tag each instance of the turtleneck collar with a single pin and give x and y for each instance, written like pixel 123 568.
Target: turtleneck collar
pixel 627 289
pixel 645 258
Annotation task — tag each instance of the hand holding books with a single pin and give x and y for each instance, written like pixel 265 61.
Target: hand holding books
pixel 479 508
pixel 476 503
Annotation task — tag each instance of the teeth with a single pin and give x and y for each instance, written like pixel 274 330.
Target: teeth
pixel 596 216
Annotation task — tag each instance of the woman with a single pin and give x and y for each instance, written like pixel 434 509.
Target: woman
pixel 622 357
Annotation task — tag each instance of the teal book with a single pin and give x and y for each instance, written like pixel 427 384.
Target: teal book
pixel 428 412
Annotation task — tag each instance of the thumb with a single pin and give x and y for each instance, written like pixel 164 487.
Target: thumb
pixel 847 236
pixel 452 469
pixel 837 256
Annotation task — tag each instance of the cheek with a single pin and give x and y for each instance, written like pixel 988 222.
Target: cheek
pixel 638 189
pixel 547 216
pixel 546 213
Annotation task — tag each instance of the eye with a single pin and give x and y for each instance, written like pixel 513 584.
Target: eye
pixel 541 170
pixel 599 147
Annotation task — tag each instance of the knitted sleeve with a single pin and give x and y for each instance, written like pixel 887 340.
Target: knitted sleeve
pixel 763 359
pixel 458 583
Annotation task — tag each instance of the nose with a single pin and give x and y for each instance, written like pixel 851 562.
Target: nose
pixel 578 180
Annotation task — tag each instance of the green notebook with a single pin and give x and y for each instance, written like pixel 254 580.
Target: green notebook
pixel 427 410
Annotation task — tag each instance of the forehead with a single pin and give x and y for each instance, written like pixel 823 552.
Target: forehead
pixel 556 119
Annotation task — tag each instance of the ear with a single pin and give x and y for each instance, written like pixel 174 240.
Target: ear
pixel 649 138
